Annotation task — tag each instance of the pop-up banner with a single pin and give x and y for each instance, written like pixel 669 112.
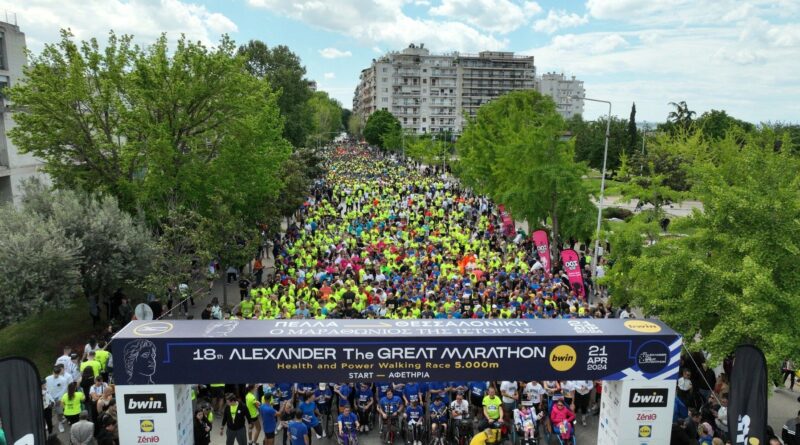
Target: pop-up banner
pixel 572 265
pixel 195 351
pixel 542 243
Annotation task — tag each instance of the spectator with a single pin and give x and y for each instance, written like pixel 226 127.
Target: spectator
pixel 82 432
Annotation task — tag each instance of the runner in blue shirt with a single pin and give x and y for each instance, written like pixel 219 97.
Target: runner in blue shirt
pixel 411 392
pixel 323 396
pixel 415 416
pixel 438 416
pixel 298 431
pixel 343 390
pixel 347 423
pixel 477 390
pixel 310 416
pixel 440 389
pixel 365 400
pixel 284 392
pixel 269 422
pixel 382 387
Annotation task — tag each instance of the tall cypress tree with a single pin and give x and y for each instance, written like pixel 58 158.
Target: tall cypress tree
pixel 632 131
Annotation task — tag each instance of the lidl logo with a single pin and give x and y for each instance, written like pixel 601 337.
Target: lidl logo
pixel 147 426
pixel 645 431
pixel 563 358
pixel 646 327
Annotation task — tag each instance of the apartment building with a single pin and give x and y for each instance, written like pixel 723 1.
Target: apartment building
pixel 14 166
pixel 562 89
pixel 431 93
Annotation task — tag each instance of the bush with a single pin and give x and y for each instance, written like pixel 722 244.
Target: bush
pixel 617 212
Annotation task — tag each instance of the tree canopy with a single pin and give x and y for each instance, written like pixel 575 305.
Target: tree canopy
pixel 515 152
pixel 382 127
pixel 732 279
pixel 326 115
pixel 285 73
pixel 590 139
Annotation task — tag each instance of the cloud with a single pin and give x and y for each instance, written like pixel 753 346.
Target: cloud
pixel 556 20
pixel 383 22
pixel 688 12
pixel 333 53
pixel 501 16
pixel 146 20
pixel 329 76
pixel 706 66
pixel 377 49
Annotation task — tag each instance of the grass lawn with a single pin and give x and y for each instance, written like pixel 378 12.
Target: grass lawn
pixel 612 187
pixel 41 338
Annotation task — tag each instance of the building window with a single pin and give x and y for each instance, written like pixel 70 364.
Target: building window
pixel 3 65
pixel 384 69
pixel 384 99
pixel 384 79
pixel 385 109
pixel 424 119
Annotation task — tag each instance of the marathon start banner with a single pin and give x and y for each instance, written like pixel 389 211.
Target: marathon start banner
pixel 247 351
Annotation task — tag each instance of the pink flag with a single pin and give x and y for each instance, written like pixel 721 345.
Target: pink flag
pixel 542 244
pixel 572 265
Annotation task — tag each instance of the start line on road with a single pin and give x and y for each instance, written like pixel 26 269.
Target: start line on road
pixel 160 360
pixel 193 352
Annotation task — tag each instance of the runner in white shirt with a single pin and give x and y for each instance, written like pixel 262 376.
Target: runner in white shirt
pixel 568 390
pixel 583 388
pixel 510 396
pixel 532 394
pixel 56 385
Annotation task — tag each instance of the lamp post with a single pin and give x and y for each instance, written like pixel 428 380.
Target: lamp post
pixel 602 189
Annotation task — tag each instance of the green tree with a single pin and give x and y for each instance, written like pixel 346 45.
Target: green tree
pixel 380 125
pixel 354 125
pixel 326 117
pixel 733 278
pixel 115 250
pixel 163 131
pixel 346 113
pixel 681 118
pixel 514 151
pixel 716 124
pixel 633 132
pixel 286 74
pixel 39 263
pixel 590 138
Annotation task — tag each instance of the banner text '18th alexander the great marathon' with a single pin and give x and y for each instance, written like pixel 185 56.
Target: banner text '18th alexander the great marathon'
pixel 374 350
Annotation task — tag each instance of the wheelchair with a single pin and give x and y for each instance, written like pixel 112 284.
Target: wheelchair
pixel 350 437
pixel 462 430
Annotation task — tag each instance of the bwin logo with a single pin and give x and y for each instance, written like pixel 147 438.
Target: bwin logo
pixel 648 398
pixel 571 265
pixel 145 403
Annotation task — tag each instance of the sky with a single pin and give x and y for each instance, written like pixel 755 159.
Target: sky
pixel 742 56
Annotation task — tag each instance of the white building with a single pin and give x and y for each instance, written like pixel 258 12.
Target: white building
pixel 562 89
pixel 14 166
pixel 431 93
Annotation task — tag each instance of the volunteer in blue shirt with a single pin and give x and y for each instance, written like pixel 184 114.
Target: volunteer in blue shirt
pixel 343 390
pixel 323 396
pixel 477 390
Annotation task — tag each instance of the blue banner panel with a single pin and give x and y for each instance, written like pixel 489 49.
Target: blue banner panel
pixel 234 351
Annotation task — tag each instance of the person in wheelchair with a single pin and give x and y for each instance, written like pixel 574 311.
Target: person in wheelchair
pixel 415 423
pixel 525 419
pixel 389 407
pixel 460 413
pixel 365 400
pixel 347 426
pixel 438 419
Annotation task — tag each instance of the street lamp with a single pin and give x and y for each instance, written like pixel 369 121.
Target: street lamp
pixel 602 189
